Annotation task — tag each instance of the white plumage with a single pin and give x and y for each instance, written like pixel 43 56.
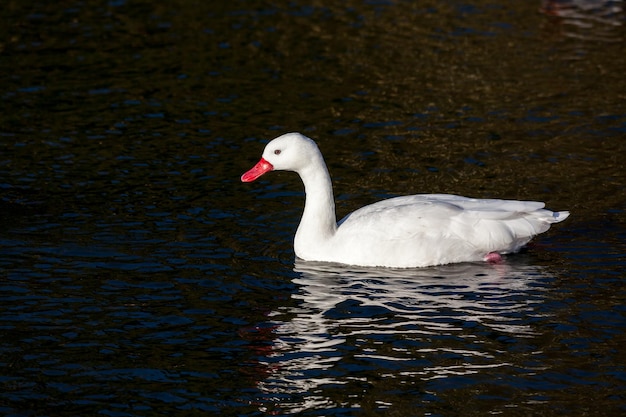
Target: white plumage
pixel 410 231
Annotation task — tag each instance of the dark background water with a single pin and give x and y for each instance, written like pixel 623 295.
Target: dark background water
pixel 140 277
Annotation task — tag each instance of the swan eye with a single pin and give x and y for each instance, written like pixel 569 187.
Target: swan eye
pixel 277 152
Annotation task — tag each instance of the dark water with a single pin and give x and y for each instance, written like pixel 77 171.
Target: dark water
pixel 140 277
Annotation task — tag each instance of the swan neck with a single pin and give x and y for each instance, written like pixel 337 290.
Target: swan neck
pixel 318 224
pixel 320 201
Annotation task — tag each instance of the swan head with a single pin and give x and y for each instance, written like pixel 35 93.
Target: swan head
pixel 289 152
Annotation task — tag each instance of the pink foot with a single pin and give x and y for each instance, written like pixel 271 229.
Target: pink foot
pixel 493 258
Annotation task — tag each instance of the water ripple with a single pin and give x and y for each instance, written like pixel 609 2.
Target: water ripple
pixel 431 324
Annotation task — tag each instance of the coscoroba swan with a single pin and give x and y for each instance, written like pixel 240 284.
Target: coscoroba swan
pixel 411 231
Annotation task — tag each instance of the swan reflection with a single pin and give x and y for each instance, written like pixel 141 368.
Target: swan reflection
pixel 350 324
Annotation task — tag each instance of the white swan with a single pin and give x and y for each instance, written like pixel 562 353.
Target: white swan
pixel 411 231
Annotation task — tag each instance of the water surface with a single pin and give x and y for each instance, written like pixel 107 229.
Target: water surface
pixel 140 277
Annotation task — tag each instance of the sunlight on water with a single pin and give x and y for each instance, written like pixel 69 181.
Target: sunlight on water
pixel 587 20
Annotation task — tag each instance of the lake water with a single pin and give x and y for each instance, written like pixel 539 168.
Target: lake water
pixel 140 277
